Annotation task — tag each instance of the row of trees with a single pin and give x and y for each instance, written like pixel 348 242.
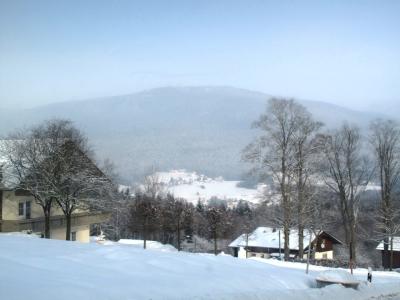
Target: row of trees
pixel 151 212
pixel 305 161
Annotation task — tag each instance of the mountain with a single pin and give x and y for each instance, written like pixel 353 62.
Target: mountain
pixel 195 128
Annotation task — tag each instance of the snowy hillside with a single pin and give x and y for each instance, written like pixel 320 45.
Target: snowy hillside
pixel 39 269
pixel 197 128
pixel 194 187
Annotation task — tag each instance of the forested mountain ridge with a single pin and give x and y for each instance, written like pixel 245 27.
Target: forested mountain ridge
pixel 196 128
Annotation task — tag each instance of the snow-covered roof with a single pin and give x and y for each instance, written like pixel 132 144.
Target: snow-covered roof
pixel 396 244
pixel 149 244
pixel 266 237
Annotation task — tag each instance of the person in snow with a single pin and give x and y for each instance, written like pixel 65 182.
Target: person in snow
pixel 369 277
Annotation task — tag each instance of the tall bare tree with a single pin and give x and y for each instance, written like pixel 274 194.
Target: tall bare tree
pixel 274 152
pixel 346 172
pixel 145 215
pixel 146 209
pixel 305 157
pixel 385 142
pixel 217 217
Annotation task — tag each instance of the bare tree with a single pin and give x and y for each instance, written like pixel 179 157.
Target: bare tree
pixel 385 142
pixel 175 212
pixel 34 156
pixel 274 152
pixel 346 172
pixel 146 209
pixel 79 184
pixel 118 203
pixel 216 215
pixel 152 185
pixel 145 213
pixel 305 150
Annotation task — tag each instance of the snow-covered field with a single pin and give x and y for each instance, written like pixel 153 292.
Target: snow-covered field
pixel 33 268
pixel 193 187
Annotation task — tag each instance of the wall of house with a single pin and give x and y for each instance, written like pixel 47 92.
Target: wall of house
pixel 324 255
pixel 257 254
pixel 386 259
pixel 82 233
pixel 11 202
pixel 10 206
pixel 13 222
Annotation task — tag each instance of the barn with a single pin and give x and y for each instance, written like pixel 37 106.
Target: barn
pixel 386 254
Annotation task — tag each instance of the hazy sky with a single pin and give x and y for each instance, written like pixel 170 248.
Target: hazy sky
pixel 345 52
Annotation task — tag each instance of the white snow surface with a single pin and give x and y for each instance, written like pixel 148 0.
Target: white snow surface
pixel 336 275
pixel 39 269
pixel 396 244
pixel 149 244
pixel 266 237
pixel 194 187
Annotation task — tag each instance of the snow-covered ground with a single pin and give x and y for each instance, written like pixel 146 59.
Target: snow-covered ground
pixel 193 187
pixel 38 269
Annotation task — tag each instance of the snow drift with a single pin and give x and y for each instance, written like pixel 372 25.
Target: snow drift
pixel 49 269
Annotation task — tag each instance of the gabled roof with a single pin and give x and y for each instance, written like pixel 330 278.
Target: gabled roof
pixel 396 244
pixel 333 238
pixel 266 237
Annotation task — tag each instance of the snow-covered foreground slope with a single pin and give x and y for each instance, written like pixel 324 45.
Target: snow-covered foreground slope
pixel 32 268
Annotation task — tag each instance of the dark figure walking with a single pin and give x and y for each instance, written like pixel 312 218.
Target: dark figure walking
pixel 369 278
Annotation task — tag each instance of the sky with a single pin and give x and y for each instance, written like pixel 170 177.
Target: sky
pixel 343 52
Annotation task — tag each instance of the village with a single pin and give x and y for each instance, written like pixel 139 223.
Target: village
pixel 199 150
pixel 52 189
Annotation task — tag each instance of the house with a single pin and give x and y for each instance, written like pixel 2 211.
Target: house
pixel 19 212
pixel 268 242
pixel 386 255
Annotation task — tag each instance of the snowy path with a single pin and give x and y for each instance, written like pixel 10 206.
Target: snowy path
pixel 38 269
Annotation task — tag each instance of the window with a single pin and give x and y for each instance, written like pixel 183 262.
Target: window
pixel 28 209
pixel 21 207
pixel 73 236
pixel 24 209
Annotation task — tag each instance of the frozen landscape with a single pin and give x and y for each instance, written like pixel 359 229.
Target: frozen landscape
pixel 69 270
pixel 194 187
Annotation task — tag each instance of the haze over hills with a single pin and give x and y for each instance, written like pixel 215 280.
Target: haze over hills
pixel 202 129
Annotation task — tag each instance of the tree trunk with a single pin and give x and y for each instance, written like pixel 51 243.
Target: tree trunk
pixel 47 226
pixel 352 252
pixel 178 233
pixel 300 202
pixel 386 252
pixel 144 235
pixel 215 244
pixel 309 252
pixel 301 241
pixel 391 254
pixel 47 213
pixel 286 232
pixel 68 231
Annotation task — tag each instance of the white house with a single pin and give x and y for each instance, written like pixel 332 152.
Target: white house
pixel 267 242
